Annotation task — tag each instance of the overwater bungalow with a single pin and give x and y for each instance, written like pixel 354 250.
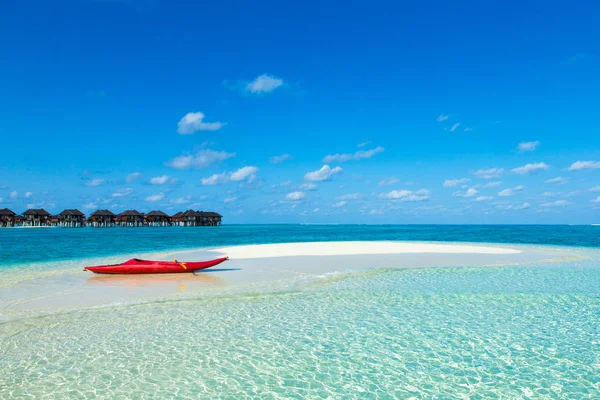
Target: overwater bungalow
pixel 210 218
pixel 7 217
pixel 19 220
pixel 177 219
pixel 190 218
pixel 182 218
pixel 36 217
pixel 130 218
pixel 102 218
pixel 71 219
pixel 54 220
pixel 196 218
pixel 157 218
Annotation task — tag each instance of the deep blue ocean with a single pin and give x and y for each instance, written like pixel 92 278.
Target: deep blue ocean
pixel 52 244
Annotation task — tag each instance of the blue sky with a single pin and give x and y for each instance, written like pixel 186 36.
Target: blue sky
pixel 349 112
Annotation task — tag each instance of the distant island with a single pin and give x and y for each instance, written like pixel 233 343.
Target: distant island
pixel 73 218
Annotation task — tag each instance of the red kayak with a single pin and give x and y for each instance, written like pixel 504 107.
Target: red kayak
pixel 137 266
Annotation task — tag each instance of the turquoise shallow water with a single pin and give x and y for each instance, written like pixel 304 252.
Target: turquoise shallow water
pixel 528 332
pixel 18 246
pixel 525 332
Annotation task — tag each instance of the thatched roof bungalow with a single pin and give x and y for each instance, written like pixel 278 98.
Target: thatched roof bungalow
pixel 7 217
pixel 156 214
pixel 130 218
pixel 36 217
pixel 71 218
pixel 102 218
pixel 177 217
pixel 210 218
pixel 190 218
pixel 157 217
pixel 197 218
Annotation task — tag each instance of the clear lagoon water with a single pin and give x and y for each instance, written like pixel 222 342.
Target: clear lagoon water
pixel 24 245
pixel 523 332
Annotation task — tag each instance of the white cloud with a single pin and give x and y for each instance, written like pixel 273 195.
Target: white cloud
pixel 1 199
pixel 406 195
pixel 28 194
pixel 363 144
pixel 561 194
pixel 492 184
pixel 557 203
pixel 530 168
pixel 376 212
pixel 230 200
pixel 216 179
pixel 559 180
pixel 242 174
pixel 517 207
pixel 483 198
pixel 527 146
pixel 308 186
pixel 595 189
pixel 159 180
pixel 469 193
pixel 510 192
pixel 351 196
pixel 280 159
pixel 201 159
pixel 454 127
pixel 192 122
pixel 597 200
pixel 122 192
pixel 340 203
pixel 295 196
pixel 489 173
pixel 264 84
pixel 132 177
pixel 182 200
pixel 467 129
pixel 580 165
pixel 155 197
pixel 14 194
pixel 95 182
pixel 388 181
pixel 356 156
pixel 455 182
pixel 442 118
pixel 323 174
pixel 88 206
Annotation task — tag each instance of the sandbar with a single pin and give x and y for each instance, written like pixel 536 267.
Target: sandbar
pixel 253 268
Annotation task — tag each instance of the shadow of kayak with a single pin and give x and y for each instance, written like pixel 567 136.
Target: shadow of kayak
pixel 154 279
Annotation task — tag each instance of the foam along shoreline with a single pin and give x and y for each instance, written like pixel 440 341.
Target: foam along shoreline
pixel 354 248
pixel 255 268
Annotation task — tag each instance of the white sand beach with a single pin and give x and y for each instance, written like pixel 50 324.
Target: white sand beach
pixel 354 248
pixel 255 268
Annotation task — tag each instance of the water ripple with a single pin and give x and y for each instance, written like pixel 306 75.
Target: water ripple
pixel 432 333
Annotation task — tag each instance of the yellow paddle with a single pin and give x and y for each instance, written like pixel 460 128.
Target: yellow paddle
pixel 182 264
